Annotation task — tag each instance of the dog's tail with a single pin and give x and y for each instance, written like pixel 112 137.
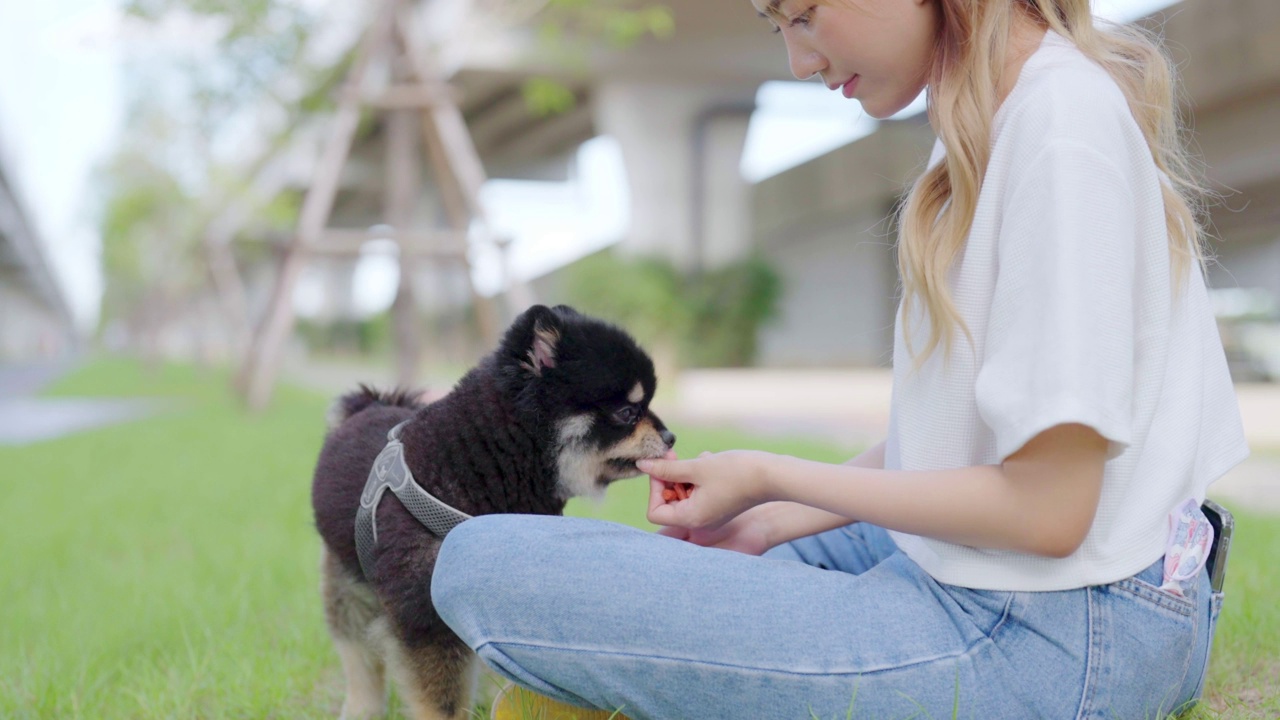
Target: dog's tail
pixel 353 402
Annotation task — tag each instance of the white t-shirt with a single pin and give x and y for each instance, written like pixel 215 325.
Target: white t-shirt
pixel 1065 286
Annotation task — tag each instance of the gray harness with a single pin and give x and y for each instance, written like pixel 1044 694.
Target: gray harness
pixel 390 472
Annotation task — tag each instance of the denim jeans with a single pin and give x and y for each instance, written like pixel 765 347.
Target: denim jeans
pixel 598 614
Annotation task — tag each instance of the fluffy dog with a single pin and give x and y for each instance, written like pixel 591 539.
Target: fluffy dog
pixel 560 409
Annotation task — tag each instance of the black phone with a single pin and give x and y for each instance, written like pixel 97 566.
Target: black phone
pixel 1223 525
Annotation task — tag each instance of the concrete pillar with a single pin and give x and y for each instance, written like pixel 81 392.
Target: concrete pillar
pixel 673 134
pixel 722 208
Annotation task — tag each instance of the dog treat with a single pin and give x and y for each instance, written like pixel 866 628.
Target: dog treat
pixel 677 491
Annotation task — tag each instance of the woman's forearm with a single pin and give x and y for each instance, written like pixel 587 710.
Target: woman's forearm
pixel 789 520
pixel 1044 505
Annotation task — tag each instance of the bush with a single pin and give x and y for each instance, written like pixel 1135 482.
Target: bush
pixel 370 336
pixel 707 320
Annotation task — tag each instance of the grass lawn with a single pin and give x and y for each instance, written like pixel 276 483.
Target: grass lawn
pixel 167 568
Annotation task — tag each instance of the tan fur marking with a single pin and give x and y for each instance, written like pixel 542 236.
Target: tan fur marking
pixel 430 678
pixel 584 473
pixel 645 442
pixel 434 675
pixel 351 611
pixel 636 394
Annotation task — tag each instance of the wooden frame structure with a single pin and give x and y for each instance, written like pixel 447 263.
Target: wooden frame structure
pixel 414 98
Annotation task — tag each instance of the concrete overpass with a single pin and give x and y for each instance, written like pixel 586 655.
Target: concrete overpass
pixel 821 223
pixel 35 319
pixel 680 106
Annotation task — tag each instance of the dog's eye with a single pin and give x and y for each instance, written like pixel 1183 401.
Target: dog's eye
pixel 626 415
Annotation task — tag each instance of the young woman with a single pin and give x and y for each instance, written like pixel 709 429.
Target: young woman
pixel 1059 391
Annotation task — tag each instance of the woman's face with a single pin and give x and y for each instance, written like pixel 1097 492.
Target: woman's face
pixel 878 51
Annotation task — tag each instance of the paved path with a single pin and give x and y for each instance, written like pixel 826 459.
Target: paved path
pixel 25 418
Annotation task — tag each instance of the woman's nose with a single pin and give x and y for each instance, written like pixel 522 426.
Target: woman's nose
pixel 805 61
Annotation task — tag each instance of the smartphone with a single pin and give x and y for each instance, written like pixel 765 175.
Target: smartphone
pixel 1223 524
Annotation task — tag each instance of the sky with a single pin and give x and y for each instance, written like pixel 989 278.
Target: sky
pixel 60 109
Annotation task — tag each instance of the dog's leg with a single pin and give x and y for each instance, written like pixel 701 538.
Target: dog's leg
pixel 437 679
pixel 352 612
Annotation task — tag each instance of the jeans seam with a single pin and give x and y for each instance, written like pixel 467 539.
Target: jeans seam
pixel 1215 598
pixel 1008 604
pixel 1191 650
pixel 1086 697
pixel 823 673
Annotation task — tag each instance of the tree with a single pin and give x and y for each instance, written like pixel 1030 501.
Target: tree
pixel 183 185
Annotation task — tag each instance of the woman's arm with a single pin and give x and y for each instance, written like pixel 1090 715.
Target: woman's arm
pixel 785 521
pixel 1041 500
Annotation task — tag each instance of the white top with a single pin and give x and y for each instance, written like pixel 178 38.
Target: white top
pixel 1065 285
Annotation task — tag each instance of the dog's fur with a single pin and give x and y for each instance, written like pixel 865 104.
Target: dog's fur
pixel 560 409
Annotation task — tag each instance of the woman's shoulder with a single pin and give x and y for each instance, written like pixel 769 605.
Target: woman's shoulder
pixel 1063 96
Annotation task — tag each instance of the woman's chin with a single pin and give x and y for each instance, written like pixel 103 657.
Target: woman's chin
pixel 882 107
pixel 881 110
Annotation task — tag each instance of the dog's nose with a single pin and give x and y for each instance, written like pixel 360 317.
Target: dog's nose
pixel 669 438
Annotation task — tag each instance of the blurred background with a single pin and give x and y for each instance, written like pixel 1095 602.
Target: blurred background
pixel 217 214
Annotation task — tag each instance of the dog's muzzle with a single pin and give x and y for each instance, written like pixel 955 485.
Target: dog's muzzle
pixel 390 472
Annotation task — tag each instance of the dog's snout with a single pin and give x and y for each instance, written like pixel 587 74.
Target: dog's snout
pixel 668 437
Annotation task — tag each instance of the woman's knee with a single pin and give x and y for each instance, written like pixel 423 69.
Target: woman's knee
pixel 488 562
pixel 473 558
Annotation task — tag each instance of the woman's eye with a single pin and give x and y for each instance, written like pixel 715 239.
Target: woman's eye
pixel 800 20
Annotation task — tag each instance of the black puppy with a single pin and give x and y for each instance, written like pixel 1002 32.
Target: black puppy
pixel 560 409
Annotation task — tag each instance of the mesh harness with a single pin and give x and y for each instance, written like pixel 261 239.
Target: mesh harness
pixel 390 472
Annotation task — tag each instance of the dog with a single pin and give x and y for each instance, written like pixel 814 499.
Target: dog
pixel 560 409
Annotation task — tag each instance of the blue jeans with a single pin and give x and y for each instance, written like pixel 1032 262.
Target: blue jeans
pixel 598 614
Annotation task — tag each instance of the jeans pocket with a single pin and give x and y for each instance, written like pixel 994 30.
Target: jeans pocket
pixel 1160 599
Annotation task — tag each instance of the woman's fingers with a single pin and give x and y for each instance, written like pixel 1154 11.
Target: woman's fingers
pixel 673 531
pixel 657 493
pixel 664 514
pixel 664 468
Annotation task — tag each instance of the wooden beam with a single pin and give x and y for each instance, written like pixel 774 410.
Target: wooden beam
pixel 258 372
pixel 416 95
pixel 408 96
pixel 336 241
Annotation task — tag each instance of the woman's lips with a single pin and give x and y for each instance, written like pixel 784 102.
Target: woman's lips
pixel 850 87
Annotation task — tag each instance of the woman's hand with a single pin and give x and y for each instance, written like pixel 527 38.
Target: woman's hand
pixel 749 533
pixel 725 485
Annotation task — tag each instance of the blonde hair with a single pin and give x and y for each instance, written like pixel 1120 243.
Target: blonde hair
pixel 935 219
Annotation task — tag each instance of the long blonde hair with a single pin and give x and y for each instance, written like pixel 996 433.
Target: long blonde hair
pixel 935 219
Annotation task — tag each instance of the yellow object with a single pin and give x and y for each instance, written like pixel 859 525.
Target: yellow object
pixel 517 703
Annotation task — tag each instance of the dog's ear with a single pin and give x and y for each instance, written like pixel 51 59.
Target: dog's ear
pixel 543 353
pixel 534 338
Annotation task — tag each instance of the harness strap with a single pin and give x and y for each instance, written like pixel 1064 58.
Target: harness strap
pixel 390 472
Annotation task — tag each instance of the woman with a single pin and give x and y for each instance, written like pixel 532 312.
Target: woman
pixel 1059 391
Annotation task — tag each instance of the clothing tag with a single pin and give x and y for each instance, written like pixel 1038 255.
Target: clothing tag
pixel 1187 549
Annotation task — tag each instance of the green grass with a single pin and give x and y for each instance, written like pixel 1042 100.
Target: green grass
pixel 167 568
pixel 1244 674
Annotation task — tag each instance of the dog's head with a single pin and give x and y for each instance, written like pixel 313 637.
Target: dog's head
pixel 590 384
